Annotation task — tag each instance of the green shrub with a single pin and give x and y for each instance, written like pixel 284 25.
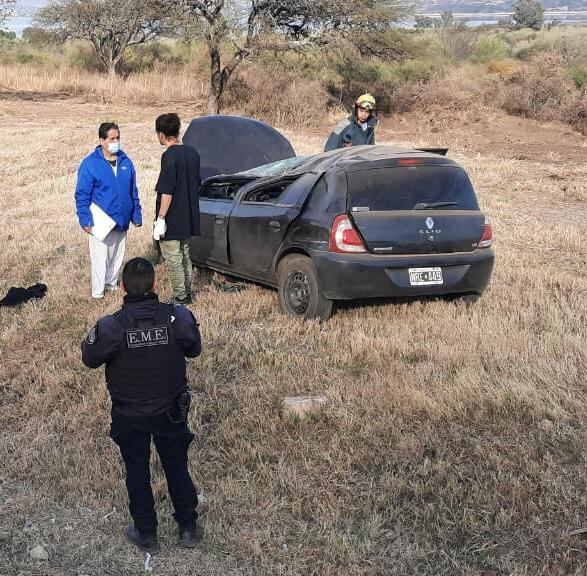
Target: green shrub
pixel 82 55
pixel 568 42
pixel 6 45
pixel 4 34
pixel 252 92
pixel 526 54
pixel 579 76
pixel 143 57
pixel 488 48
pixel 24 57
pixel 358 76
pixel 418 70
pixel 37 37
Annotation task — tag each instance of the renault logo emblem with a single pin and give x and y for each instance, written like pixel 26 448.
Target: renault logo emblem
pixel 429 223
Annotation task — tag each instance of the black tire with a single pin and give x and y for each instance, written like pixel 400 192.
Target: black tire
pixel 299 292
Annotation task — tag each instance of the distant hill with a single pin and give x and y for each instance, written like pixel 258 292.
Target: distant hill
pixel 473 6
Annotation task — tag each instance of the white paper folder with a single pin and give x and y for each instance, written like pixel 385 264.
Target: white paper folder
pixel 102 222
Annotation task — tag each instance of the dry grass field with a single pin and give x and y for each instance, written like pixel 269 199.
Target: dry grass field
pixel 453 439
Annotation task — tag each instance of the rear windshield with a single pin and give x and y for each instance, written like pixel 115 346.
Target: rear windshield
pixel 404 187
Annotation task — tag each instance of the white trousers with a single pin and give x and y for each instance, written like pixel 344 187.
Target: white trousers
pixel 106 258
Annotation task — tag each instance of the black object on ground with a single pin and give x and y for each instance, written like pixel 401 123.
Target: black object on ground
pixel 17 296
pixel 230 286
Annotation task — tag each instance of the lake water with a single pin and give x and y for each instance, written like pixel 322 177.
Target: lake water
pixel 18 24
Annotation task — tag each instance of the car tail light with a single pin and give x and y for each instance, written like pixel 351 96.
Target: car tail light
pixel 343 236
pixel 487 236
pixel 409 161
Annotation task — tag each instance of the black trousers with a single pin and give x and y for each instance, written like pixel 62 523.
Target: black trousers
pixel 133 436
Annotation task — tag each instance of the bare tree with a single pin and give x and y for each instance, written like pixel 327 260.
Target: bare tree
pixel 5 10
pixel 456 38
pixel 110 26
pixel 238 30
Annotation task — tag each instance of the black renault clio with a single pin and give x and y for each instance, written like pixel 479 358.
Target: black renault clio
pixel 355 223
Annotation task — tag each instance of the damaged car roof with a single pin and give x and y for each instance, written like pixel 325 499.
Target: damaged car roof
pixel 237 148
pixel 343 158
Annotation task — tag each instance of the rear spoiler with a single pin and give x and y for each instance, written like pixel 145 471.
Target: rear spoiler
pixel 439 151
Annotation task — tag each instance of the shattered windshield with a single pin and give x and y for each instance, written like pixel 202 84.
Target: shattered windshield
pixel 278 168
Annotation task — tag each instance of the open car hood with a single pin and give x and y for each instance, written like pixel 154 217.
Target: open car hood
pixel 229 144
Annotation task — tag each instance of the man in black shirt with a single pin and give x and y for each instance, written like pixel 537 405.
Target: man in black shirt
pixel 177 209
pixel 144 346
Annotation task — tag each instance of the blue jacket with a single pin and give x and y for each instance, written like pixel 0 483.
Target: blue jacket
pixel 116 194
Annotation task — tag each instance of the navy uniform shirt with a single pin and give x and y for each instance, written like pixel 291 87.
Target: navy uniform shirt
pixel 144 347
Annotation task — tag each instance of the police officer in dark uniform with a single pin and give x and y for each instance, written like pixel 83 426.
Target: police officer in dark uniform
pixel 144 346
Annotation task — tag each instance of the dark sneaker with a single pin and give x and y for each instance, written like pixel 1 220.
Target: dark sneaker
pixel 189 537
pixel 183 301
pixel 147 543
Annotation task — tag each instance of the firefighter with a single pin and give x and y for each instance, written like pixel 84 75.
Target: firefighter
pixel 358 128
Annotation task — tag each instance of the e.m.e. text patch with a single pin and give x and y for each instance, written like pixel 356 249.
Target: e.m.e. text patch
pixel 147 337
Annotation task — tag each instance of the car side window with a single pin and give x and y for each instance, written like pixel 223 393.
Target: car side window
pixel 267 195
pixel 219 191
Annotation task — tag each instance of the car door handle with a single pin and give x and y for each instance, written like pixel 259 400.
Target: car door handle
pixel 220 219
pixel 274 224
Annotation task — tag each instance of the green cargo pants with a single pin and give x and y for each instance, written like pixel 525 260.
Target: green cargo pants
pixel 176 254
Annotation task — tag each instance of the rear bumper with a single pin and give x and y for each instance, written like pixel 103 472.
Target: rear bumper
pixel 353 276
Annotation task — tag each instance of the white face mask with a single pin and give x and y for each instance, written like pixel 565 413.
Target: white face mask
pixel 113 147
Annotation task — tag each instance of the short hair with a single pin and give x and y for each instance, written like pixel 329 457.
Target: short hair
pixel 138 277
pixel 168 124
pixel 105 127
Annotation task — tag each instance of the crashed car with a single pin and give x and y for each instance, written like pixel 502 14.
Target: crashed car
pixel 355 223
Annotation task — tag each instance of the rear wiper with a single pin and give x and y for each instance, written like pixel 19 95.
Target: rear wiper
pixel 432 205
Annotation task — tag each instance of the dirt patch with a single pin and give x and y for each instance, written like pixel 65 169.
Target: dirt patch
pixel 20 96
pixel 488 132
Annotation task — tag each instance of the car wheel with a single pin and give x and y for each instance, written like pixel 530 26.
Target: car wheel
pixel 299 292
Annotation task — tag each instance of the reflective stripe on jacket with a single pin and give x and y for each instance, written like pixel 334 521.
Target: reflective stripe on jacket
pixel 349 131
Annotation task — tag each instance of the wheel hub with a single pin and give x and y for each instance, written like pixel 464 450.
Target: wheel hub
pixel 298 292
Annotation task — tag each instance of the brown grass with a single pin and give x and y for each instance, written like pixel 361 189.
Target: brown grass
pixel 453 439
pixel 147 88
pixel 540 89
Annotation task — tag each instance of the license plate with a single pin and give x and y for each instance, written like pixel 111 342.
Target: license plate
pixel 425 276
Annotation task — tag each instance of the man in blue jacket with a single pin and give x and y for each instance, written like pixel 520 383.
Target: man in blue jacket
pixel 358 128
pixel 107 183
